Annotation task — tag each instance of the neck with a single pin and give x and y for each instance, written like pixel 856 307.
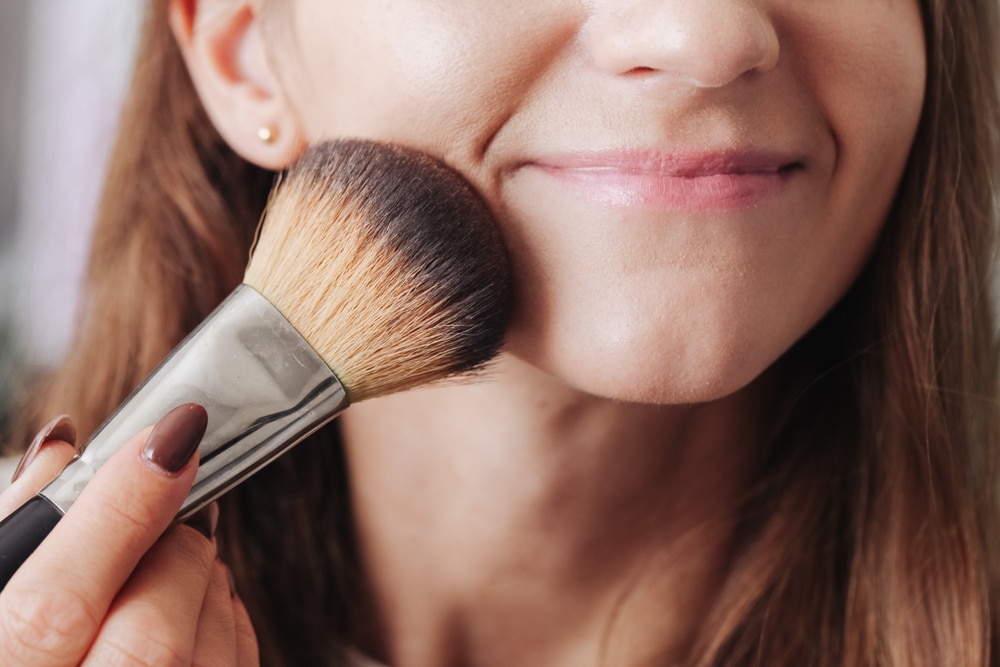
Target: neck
pixel 593 531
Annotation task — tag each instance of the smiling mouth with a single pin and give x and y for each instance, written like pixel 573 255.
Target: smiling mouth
pixel 675 182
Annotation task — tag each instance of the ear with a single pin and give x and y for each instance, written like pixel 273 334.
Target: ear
pixel 226 57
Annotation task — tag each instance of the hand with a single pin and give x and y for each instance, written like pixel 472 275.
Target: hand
pixel 115 583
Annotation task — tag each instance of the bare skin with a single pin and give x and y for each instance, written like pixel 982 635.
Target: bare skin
pixel 114 583
pixel 555 520
pixel 686 188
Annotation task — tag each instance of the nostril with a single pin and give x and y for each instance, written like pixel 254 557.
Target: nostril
pixel 702 43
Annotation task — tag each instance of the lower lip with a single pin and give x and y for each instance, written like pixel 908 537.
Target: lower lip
pixel 617 188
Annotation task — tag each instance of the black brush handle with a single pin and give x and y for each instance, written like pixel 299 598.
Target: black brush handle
pixel 23 531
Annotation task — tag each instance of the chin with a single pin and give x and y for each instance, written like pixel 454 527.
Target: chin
pixel 651 383
pixel 660 372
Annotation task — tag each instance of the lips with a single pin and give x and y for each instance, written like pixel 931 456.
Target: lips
pixel 696 181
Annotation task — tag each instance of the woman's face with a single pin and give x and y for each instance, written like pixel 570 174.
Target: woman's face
pixel 686 186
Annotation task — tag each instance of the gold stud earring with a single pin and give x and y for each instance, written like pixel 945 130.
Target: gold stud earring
pixel 267 134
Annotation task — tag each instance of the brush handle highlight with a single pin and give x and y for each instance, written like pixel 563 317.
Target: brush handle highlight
pixel 264 387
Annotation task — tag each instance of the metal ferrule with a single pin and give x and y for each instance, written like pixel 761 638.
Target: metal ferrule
pixel 264 387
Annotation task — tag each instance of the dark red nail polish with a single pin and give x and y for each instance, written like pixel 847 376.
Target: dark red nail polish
pixel 176 436
pixel 60 428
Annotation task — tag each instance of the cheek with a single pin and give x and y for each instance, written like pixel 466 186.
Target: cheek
pixel 864 62
pixel 436 75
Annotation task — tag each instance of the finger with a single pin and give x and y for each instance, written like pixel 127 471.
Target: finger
pixel 51 609
pixel 60 428
pixel 247 649
pixel 216 640
pixel 155 618
pixel 47 454
pixel 226 628
pixel 43 468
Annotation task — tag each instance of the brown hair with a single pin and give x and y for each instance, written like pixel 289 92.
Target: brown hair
pixel 871 538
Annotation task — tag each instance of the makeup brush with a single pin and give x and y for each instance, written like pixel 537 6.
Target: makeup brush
pixel 376 269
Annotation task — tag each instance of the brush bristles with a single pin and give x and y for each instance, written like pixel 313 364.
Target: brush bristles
pixel 387 262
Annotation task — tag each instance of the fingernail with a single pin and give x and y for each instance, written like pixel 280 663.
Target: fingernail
pixel 205 520
pixel 175 437
pixel 60 428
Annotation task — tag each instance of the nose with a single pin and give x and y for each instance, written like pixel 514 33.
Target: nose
pixel 701 43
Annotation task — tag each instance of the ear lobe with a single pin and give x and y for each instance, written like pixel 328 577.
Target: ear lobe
pixel 228 62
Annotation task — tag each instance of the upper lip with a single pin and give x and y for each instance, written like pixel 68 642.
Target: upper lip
pixel 675 164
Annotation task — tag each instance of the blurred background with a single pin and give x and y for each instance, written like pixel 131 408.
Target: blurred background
pixel 64 65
